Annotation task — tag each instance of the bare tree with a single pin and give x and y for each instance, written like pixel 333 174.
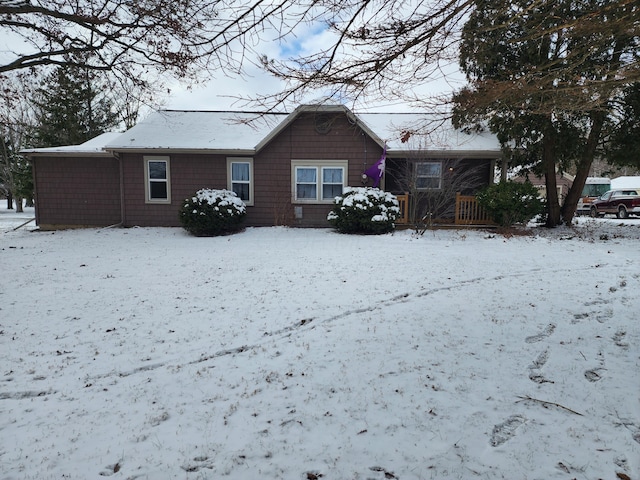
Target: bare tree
pixel 387 49
pixel 380 49
pixel 16 121
pixel 134 39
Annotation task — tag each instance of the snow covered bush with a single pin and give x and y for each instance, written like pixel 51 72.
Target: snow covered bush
pixel 364 210
pixel 212 212
pixel 509 203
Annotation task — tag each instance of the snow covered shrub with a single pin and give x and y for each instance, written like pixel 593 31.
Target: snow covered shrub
pixel 509 203
pixel 364 210
pixel 212 212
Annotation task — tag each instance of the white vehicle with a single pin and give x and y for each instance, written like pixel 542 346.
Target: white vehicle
pixel 593 188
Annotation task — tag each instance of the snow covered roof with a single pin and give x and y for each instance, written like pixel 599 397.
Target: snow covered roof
pixel 95 147
pixel 248 132
pixel 198 130
pixel 393 128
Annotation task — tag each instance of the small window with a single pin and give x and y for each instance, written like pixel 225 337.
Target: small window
pixel 428 175
pixel 318 181
pixel 240 178
pixel 157 180
pixel 306 183
pixel 332 181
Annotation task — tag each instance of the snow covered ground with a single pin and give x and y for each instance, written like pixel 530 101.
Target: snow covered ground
pixel 279 353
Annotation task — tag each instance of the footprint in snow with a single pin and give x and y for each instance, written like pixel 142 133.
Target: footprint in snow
pixel 542 335
pixel 506 430
pixel 593 375
pixel 197 464
pixel 618 338
pixel 540 361
pixel 535 375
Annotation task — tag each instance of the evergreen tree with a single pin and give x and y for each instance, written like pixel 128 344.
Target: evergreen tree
pixel 543 76
pixel 623 149
pixel 72 107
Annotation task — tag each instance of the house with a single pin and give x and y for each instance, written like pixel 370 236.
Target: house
pixel 286 167
pixel 564 181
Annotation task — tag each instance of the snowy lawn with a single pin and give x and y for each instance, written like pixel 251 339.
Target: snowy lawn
pixel 280 353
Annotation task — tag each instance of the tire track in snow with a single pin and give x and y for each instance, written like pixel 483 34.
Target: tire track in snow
pixel 310 323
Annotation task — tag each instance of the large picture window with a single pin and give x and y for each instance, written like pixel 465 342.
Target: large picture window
pixel 240 178
pixel 428 175
pixel 157 180
pixel 318 181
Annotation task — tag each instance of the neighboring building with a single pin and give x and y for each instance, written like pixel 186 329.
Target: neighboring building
pixel 286 167
pixel 564 181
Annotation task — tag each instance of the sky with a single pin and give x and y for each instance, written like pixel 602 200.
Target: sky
pixel 223 92
pixel 149 354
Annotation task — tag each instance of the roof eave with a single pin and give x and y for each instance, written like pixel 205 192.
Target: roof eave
pixel 477 154
pixel 174 151
pixel 67 154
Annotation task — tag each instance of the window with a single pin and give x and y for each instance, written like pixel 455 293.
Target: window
pixel 428 175
pixel 332 181
pixel 318 181
pixel 240 178
pixel 306 183
pixel 157 183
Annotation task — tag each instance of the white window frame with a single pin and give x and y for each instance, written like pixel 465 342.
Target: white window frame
pixel 319 166
pixel 439 177
pixel 148 180
pixel 230 181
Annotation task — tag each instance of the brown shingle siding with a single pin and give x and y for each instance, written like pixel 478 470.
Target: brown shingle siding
pixel 77 191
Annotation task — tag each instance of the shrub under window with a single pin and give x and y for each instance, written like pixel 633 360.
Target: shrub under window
pixel 212 212
pixel 364 210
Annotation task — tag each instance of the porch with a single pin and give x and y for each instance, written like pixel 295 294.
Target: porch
pixel 467 212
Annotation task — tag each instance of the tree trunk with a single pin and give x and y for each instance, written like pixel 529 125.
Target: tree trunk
pixel 584 165
pixel 19 205
pixel 549 168
pixel 9 201
pixel 504 166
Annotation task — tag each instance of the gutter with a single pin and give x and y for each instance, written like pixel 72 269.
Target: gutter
pixel 182 150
